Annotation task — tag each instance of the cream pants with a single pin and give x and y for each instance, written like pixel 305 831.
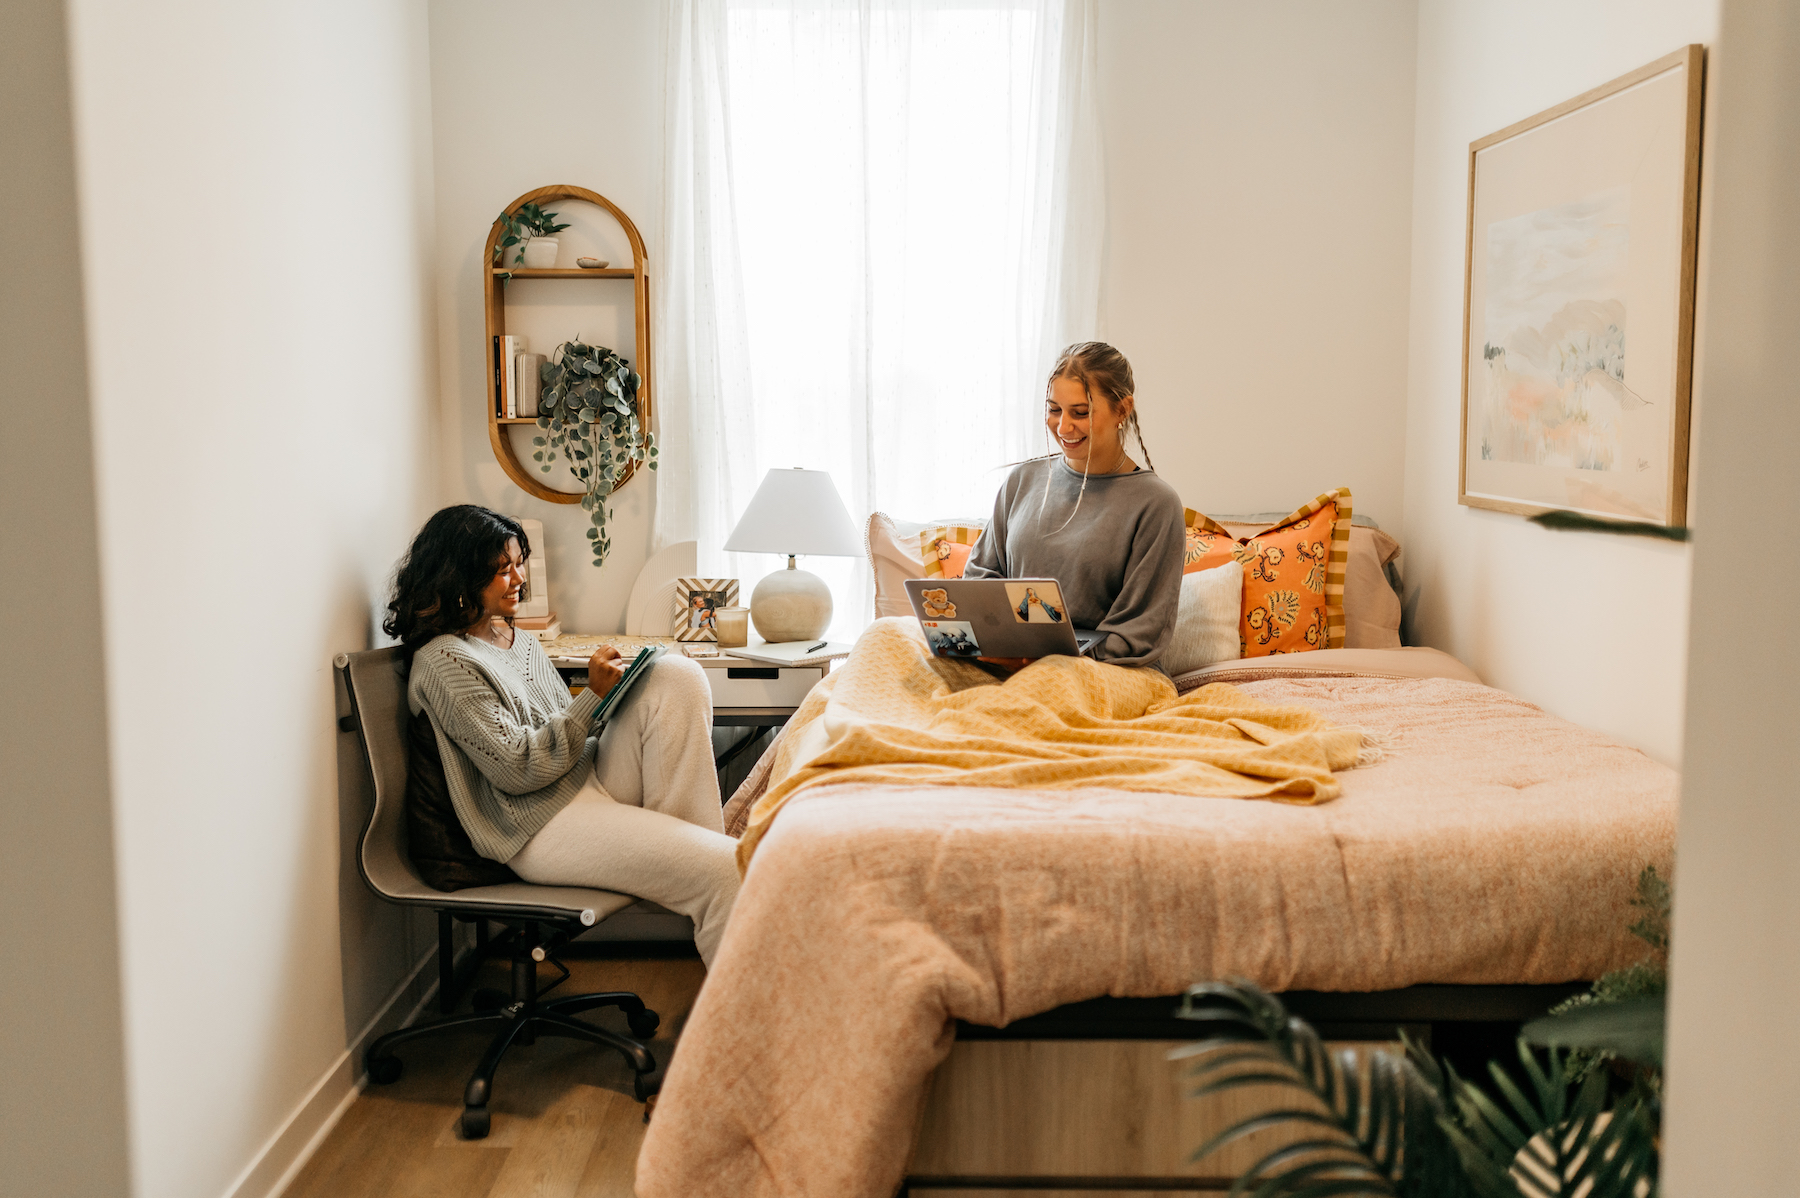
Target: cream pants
pixel 647 823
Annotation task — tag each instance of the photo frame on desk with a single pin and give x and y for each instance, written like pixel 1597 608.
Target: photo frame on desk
pixel 696 602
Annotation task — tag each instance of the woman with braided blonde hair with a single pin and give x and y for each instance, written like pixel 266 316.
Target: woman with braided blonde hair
pixel 1108 530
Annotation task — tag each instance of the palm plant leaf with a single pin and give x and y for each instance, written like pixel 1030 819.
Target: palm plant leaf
pixel 1558 1142
pixel 1403 1125
pixel 1632 1028
pixel 1377 1117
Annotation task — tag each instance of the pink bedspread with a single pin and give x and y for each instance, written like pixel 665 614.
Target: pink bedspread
pixel 1495 844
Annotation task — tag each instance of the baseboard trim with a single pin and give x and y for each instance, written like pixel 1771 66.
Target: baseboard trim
pixel 286 1152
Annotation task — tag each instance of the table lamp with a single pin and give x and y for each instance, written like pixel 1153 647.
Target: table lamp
pixel 794 512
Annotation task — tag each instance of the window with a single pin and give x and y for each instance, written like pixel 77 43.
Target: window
pixel 882 192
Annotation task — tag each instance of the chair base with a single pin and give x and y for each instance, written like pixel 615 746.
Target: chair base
pixel 522 1021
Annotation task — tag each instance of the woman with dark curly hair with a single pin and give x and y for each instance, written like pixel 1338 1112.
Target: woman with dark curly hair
pixel 631 806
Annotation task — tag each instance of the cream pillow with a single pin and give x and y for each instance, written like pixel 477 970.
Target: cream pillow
pixel 894 557
pixel 1206 619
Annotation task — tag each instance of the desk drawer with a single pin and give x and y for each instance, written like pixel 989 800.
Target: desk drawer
pixel 761 686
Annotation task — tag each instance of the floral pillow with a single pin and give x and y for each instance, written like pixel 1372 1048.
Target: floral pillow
pixel 1293 574
pixel 946 548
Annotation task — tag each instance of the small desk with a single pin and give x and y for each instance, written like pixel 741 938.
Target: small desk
pixel 746 694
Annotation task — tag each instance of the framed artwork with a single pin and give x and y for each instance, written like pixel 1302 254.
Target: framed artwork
pixel 1578 302
pixel 697 601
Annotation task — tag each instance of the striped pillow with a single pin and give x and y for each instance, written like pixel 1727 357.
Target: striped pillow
pixel 1293 574
pixel 945 549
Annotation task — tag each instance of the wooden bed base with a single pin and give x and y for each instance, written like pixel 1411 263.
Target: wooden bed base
pixel 1083 1100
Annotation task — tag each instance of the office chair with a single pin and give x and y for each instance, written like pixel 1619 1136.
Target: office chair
pixel 538 919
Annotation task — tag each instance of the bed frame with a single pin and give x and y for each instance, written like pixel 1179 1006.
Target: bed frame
pixel 1467 1024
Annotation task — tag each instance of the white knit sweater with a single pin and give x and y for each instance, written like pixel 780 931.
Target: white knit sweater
pixel 516 748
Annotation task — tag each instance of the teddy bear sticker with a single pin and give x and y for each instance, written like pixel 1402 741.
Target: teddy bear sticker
pixel 937 604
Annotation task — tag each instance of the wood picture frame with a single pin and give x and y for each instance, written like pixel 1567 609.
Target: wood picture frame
pixel 696 599
pixel 1578 295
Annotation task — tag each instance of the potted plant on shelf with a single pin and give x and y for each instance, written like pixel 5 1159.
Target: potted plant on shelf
pixel 589 411
pixel 534 231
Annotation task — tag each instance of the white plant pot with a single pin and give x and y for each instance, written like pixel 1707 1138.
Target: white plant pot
pixel 540 253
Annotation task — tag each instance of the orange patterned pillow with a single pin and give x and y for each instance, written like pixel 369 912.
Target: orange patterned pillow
pixel 1293 574
pixel 1207 544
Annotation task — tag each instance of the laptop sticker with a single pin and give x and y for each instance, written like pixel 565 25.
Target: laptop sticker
pixel 937 604
pixel 951 638
pixel 1035 602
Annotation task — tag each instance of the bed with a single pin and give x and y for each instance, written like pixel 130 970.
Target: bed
pixel 1495 845
pixel 1483 867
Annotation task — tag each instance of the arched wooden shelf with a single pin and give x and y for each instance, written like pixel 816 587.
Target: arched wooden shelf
pixel 493 297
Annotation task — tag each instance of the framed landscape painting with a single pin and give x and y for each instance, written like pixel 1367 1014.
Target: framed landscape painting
pixel 1578 302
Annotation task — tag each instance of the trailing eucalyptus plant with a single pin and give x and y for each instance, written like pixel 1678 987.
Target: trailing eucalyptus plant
pixel 1402 1125
pixel 521 226
pixel 588 410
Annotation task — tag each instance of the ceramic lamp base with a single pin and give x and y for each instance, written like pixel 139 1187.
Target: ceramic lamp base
pixel 791 605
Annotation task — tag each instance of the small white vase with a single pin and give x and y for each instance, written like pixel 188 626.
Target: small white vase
pixel 540 253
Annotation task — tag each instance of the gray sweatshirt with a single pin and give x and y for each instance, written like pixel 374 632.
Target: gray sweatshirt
pixel 1119 559
pixel 515 747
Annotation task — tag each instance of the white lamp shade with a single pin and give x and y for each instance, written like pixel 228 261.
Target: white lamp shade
pixel 796 511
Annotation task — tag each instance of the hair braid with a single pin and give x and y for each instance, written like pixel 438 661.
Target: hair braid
pixel 1137 430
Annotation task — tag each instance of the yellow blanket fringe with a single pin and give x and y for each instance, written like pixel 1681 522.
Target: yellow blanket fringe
pixel 895 714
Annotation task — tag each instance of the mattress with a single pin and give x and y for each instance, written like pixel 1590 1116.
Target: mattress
pixel 1493 843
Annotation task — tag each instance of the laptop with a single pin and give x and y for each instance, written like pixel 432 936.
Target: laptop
pixel 996 617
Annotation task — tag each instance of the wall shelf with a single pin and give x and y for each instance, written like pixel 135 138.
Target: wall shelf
pixel 525 272
pixel 493 299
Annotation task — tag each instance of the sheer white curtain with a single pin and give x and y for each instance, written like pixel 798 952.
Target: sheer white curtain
pixel 882 219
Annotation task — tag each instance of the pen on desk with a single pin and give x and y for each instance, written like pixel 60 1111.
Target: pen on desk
pixel 817 647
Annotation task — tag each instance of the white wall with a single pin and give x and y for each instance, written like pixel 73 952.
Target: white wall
pixel 62 1076
pixel 1734 1046
pixel 256 235
pixel 1259 194
pixel 1223 126
pixel 1591 627
pixel 568 91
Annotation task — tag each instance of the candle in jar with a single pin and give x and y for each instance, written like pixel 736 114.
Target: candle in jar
pixel 733 624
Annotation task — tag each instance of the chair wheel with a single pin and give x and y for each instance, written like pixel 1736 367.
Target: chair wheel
pixel 489 999
pixel 643 1023
pixel 475 1122
pixel 646 1086
pixel 385 1071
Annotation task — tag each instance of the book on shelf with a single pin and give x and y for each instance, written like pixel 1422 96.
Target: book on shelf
pixel 530 382
pixel 510 349
pixel 499 395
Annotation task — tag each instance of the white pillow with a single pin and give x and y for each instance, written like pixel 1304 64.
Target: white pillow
pixel 893 548
pixel 1206 620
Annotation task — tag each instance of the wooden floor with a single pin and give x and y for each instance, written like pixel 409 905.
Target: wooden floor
pixel 564 1121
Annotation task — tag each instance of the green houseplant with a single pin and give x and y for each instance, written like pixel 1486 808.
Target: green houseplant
pixel 518 228
pixel 1406 1126
pixel 588 412
pixel 1585 1124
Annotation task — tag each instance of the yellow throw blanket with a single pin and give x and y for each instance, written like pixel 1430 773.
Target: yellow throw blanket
pixel 896 714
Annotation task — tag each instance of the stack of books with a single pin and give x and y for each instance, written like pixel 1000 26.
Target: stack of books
pixel 518 380
pixel 544 628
